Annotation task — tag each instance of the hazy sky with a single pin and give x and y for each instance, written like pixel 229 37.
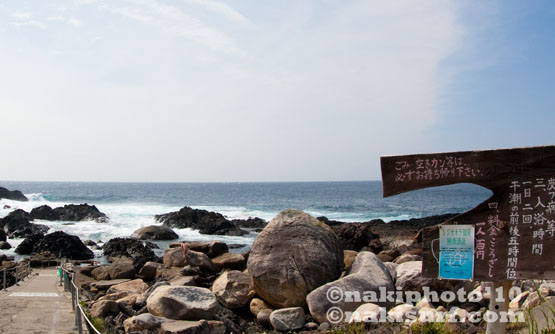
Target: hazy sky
pixel 209 90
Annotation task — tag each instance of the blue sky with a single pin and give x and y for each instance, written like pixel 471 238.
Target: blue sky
pixel 207 90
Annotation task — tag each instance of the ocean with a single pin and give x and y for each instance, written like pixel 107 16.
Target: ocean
pixel 131 206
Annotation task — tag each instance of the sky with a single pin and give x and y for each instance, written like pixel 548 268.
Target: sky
pixel 239 91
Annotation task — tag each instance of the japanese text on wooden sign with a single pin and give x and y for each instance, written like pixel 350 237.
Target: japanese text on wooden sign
pixel 514 229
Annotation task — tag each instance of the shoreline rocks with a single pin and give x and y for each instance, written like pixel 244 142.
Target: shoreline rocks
pixel 14 195
pixel 70 212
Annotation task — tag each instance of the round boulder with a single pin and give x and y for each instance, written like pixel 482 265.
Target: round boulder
pixel 293 255
pixel 154 232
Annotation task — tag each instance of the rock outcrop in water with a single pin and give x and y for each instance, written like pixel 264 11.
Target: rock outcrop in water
pixel 17 225
pixel 57 245
pixel 14 195
pixel 206 222
pixel 70 212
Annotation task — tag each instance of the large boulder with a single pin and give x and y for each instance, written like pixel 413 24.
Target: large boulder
pixel 60 244
pixel 233 289
pixel 182 303
pixel 155 232
pixel 17 225
pixel 293 255
pixel 14 195
pixel 367 275
pixel 139 251
pixel 354 236
pixel 206 222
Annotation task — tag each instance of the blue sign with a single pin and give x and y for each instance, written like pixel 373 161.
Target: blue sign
pixel 456 252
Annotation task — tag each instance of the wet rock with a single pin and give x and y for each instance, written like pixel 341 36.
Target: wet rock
pixel 182 303
pixel 3 236
pixel 60 244
pixel 154 232
pixel 294 254
pixel 70 212
pixel 14 195
pixel 253 223
pixel 17 225
pixel 26 246
pixel 205 221
pixel 5 245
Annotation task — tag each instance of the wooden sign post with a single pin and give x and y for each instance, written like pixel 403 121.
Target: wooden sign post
pixel 513 230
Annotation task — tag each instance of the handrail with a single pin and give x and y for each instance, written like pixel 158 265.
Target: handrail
pixel 22 270
pixel 69 285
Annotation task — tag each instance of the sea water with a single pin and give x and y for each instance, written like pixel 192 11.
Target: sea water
pixel 131 206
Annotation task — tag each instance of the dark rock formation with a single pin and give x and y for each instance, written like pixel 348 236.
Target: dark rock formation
pixel 354 236
pixel 14 195
pixel 154 232
pixel 206 222
pixel 59 244
pixel 139 251
pixel 3 236
pixel 17 225
pixel 254 223
pixel 26 246
pixel 70 212
pixel 5 245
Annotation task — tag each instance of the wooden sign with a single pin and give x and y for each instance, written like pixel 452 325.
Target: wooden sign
pixel 514 229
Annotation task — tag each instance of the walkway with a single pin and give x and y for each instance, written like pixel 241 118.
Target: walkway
pixel 37 306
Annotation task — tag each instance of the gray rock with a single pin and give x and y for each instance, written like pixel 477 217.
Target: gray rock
pixel 182 303
pixel 154 232
pixel 293 255
pixel 142 322
pixel 287 319
pixel 233 289
pixel 367 274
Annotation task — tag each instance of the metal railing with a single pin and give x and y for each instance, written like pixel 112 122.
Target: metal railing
pixel 67 278
pixel 20 271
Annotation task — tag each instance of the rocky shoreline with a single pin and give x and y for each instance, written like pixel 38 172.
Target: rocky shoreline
pixel 281 284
